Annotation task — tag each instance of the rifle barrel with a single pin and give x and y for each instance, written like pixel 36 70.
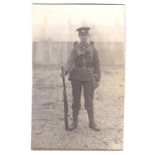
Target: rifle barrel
pixel 65 101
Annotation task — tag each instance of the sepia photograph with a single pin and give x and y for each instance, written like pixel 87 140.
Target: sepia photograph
pixel 78 76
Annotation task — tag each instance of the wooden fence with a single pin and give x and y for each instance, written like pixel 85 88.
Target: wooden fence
pixel 55 53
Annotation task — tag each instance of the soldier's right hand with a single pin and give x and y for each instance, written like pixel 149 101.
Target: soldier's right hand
pixel 63 74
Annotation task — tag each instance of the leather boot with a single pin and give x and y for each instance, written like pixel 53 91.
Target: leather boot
pixel 92 124
pixel 75 120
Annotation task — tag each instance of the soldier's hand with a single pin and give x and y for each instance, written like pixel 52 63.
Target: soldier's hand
pixel 63 74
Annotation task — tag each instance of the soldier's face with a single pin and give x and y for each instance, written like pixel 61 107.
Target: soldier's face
pixel 83 38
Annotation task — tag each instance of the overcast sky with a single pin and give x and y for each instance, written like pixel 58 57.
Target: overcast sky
pixel 59 22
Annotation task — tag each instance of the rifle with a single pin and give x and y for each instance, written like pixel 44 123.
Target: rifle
pixel 65 101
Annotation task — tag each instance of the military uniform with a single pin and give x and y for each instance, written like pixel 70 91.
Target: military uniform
pixel 84 67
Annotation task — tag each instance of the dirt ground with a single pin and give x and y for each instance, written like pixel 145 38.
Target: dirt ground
pixel 48 118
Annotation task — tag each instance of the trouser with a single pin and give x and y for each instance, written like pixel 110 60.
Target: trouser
pixel 88 94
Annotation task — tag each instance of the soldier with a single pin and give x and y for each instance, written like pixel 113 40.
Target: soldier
pixel 84 72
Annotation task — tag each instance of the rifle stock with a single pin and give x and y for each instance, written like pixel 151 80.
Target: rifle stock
pixel 65 101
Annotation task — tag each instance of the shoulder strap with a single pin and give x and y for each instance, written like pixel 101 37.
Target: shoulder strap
pixel 92 48
pixel 92 43
pixel 75 44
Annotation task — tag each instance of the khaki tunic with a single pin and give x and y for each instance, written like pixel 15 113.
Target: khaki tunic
pixel 81 64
